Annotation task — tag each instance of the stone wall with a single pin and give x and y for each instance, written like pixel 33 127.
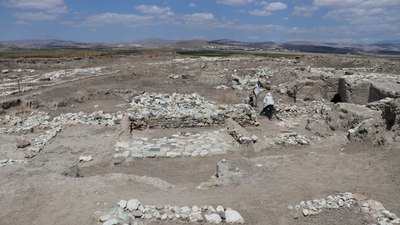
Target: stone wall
pixel 241 135
pixel 179 110
pixel 354 92
pixel 373 211
pixel 381 90
pixel 345 116
pixel 363 91
pixel 9 103
pixel 378 122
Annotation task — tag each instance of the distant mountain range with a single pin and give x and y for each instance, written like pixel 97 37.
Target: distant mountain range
pixel 391 47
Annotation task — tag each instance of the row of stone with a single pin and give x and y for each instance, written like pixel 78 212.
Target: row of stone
pixel 42 120
pixel 7 162
pixel 56 77
pixel 134 212
pixel 95 118
pixel 241 138
pixel 39 142
pixel 372 210
pixel 178 145
pixel 17 124
pixel 49 128
pixel 17 70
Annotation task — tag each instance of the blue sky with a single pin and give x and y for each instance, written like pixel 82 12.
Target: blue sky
pixel 346 21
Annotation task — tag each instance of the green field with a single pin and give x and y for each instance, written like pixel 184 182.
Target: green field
pixel 68 53
pixel 206 53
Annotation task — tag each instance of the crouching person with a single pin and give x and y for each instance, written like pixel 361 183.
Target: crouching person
pixel 249 100
pixel 268 106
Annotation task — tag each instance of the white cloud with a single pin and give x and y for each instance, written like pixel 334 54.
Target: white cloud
pixel 337 3
pixel 360 16
pixel 356 18
pixel 198 17
pixel 362 12
pixel 268 8
pixel 234 2
pixel 192 5
pixel 258 12
pixel 49 9
pixel 155 10
pixel 304 10
pixel 35 16
pixel 35 4
pixel 363 4
pixel 353 10
pixel 108 18
pixel 21 22
pixel 275 6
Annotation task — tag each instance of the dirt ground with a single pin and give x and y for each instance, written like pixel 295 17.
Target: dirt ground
pixel 46 189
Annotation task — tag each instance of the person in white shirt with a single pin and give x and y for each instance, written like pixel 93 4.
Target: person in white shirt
pixel 256 91
pixel 268 106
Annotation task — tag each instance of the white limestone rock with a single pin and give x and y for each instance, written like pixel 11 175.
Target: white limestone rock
pixel 233 216
pixel 185 210
pixel 213 218
pixel 112 221
pixel 220 208
pixel 133 204
pixel 122 203
pixel 85 158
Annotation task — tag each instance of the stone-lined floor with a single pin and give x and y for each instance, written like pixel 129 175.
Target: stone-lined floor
pixel 176 145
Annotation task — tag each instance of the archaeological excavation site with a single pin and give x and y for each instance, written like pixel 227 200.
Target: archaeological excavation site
pixel 147 139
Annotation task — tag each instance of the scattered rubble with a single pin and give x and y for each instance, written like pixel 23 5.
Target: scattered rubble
pixel 290 139
pixel 247 82
pixel 133 211
pixel 313 108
